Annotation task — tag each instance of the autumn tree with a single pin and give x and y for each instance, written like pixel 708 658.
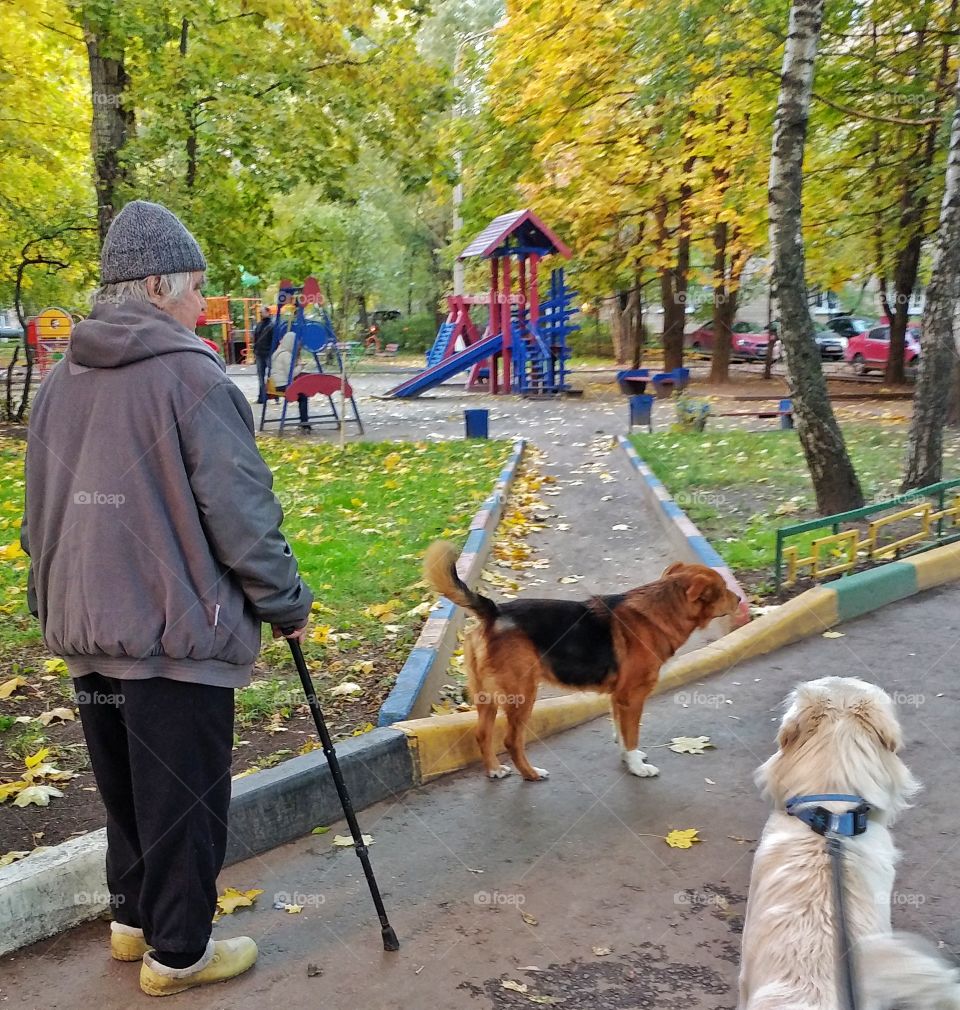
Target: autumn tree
pixel 924 463
pixel 834 479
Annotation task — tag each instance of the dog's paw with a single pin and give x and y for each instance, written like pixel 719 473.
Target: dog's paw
pixel 636 765
pixel 538 774
pixel 499 773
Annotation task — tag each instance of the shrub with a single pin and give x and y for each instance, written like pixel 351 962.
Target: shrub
pixel 415 334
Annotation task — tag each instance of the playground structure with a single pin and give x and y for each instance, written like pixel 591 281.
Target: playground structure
pixel 522 347
pixel 48 334
pixel 219 313
pixel 312 334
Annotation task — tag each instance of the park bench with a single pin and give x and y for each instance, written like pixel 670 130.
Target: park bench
pixel 784 411
pixel 390 351
pixel 674 381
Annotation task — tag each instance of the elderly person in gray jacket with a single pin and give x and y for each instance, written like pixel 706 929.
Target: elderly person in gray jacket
pixel 156 554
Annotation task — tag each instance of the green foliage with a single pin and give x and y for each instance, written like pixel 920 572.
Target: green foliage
pixel 414 334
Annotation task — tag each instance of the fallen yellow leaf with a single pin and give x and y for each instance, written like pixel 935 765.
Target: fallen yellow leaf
pixel 682 839
pixel 34 759
pixel 690 744
pixel 232 899
pixel 9 789
pixel 63 714
pixel 9 686
pixel 345 841
pixel 39 795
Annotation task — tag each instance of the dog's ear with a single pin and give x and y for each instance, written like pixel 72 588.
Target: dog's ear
pixel 703 589
pixel 790 728
pixel 879 719
pixel 797 719
pixel 677 566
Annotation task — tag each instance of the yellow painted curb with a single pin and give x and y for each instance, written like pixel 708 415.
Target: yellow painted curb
pixel 936 567
pixel 446 743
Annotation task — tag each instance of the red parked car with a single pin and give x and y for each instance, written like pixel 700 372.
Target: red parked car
pixel 749 343
pixel 869 351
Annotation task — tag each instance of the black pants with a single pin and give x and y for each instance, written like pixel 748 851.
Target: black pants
pixel 263 363
pixel 161 753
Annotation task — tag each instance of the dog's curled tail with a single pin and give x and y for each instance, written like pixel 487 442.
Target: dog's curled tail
pixel 440 571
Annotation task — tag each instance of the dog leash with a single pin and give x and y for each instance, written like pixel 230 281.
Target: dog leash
pixel 834 827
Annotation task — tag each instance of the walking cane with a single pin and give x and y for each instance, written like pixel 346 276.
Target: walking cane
pixel 390 941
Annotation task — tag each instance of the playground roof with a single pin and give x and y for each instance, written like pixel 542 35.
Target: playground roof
pixel 530 231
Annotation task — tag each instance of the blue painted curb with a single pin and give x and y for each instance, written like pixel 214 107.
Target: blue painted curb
pixel 433 647
pixel 682 532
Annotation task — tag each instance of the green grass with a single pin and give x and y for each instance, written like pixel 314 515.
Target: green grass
pixel 739 487
pixel 358 522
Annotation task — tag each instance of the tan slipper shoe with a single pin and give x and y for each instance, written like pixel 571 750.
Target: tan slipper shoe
pixel 223 959
pixel 127 942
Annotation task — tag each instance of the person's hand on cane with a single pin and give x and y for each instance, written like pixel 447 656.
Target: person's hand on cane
pixel 298 633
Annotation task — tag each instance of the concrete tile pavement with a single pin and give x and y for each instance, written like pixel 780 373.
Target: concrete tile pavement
pixel 582 853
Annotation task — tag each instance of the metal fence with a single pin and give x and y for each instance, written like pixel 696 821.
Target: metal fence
pixel 908 524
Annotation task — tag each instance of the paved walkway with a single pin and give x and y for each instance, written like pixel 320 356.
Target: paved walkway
pixel 615 918
pixel 581 853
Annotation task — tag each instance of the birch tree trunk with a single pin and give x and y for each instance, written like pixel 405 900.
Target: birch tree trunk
pixel 834 479
pixel 924 463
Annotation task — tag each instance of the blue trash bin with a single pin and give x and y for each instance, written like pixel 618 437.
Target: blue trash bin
pixel 641 410
pixel 476 423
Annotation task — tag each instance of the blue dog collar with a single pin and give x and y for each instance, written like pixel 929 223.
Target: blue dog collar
pixel 823 821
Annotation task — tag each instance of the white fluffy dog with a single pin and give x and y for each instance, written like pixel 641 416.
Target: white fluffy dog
pixel 839 735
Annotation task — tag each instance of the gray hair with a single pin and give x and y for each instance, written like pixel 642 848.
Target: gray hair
pixel 172 288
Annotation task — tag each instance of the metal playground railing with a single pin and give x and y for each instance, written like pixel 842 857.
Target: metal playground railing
pixel 908 524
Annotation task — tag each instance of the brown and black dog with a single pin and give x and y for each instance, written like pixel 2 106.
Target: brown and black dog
pixel 610 644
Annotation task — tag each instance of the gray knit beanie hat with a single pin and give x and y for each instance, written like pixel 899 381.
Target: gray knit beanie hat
pixel 146 239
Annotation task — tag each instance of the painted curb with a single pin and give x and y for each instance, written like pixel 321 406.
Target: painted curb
pixel 421 676
pixel 682 533
pixel 47 892
pixel 277 805
pixel 66 885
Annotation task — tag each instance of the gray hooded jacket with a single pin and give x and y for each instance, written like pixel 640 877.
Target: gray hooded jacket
pixel 153 532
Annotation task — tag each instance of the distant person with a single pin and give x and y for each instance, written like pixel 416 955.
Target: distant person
pixel 283 371
pixel 262 349
pixel 155 554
